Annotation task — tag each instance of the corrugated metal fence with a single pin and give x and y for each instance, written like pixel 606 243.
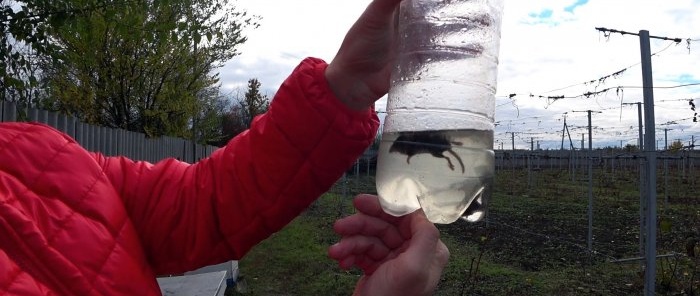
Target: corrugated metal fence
pixel 112 142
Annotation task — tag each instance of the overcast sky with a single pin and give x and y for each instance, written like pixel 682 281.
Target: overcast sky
pixel 548 48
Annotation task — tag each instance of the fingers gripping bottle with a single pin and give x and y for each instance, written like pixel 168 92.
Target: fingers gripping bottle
pixel 436 151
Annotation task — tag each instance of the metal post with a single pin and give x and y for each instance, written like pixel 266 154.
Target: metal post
pixel 583 148
pixel 590 184
pixel 563 130
pixel 665 169
pixel 650 153
pixel 512 162
pixel 640 141
pixel 640 144
pixel 529 171
pixel 612 163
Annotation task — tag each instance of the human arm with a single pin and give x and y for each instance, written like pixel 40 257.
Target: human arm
pixel 359 73
pixel 398 255
pixel 190 215
pixel 319 122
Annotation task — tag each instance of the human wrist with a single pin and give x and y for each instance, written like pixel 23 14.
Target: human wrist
pixel 344 88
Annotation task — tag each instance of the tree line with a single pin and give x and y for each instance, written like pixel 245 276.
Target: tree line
pixel 142 65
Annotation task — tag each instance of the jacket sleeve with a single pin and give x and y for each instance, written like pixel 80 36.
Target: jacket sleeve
pixel 188 216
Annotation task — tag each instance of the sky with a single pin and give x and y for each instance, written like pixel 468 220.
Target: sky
pixel 549 48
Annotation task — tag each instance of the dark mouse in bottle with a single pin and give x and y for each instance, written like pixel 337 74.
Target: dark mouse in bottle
pixel 435 143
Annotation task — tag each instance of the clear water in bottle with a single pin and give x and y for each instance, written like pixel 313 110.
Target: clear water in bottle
pixel 436 150
pixel 446 173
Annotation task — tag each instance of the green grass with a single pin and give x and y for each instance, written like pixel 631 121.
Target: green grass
pixel 294 261
pixel 534 244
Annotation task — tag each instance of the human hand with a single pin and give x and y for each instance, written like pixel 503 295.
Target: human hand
pixel 360 72
pixel 399 255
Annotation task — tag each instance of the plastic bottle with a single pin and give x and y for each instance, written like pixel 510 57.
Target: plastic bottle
pixel 436 151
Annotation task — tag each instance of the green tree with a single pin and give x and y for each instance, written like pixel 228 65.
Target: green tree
pixel 677 145
pixel 26 28
pixel 24 36
pixel 143 65
pixel 242 111
pixel 207 124
pixel 254 102
pixel 631 148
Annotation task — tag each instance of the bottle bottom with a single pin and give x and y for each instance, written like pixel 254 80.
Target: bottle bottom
pixel 448 174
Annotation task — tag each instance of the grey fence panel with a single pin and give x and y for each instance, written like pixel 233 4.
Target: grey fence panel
pixel 79 126
pixel 176 146
pixel 195 153
pixel 148 149
pixel 157 151
pixel 167 148
pixel 9 112
pixel 183 150
pixel 99 140
pixel 70 126
pixel 87 136
pixel 154 151
pixel 115 141
pixel 91 134
pixel 53 120
pixel 128 144
pixel 186 154
pixel 168 143
pixel 140 144
pixel 138 147
pixel 33 114
pixel 131 139
pixel 110 141
pixel 179 146
pixel 131 144
pixel 142 148
pixel 96 138
pixel 43 116
pixel 119 143
pixel 125 144
pixel 61 123
pixel 151 149
pixel 92 137
pixel 186 151
pixel 102 136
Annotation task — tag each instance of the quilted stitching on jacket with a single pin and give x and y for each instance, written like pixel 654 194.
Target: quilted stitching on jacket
pixel 97 225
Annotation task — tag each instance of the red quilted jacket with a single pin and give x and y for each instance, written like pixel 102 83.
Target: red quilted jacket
pixel 78 223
